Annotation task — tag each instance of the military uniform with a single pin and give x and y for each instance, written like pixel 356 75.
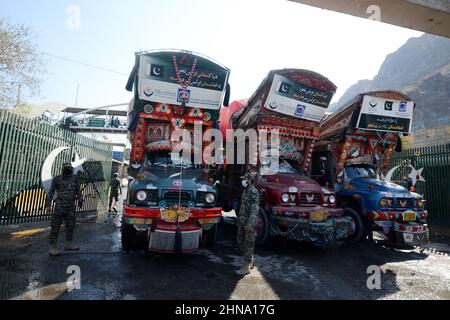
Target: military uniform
pixel 115 189
pixel 248 215
pixel 68 191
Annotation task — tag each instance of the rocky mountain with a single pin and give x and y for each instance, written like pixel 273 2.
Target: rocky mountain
pixel 420 69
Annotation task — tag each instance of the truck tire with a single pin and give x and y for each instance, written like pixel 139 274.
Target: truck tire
pixel 128 237
pixel 262 228
pixel 360 230
pixel 209 238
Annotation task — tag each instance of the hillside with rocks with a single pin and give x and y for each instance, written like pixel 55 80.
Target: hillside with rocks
pixel 420 69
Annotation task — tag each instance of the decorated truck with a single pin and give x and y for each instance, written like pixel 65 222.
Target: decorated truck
pixel 352 157
pixel 287 107
pixel 170 206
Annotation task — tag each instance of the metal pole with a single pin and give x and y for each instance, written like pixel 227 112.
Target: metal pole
pixel 18 95
pixel 76 97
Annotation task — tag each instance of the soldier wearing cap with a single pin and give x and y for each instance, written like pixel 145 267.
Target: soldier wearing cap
pixel 67 186
pixel 246 222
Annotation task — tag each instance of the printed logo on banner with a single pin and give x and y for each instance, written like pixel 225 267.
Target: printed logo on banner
pixel 273 105
pixel 285 88
pixel 148 92
pixel 300 110
pixel 402 107
pixel 183 95
pixel 157 70
pixel 388 105
pixel 373 104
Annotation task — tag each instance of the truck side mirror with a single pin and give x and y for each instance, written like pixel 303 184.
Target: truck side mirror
pixel 323 160
pixel 340 177
pixel 398 147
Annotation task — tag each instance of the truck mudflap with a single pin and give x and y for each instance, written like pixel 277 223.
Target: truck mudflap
pixel 171 240
pixel 304 225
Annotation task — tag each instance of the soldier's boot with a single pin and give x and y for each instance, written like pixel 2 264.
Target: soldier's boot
pixel 244 270
pixel 54 250
pixel 252 263
pixel 69 246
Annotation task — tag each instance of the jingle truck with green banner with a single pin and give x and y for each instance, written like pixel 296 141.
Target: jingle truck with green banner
pixel 352 156
pixel 170 205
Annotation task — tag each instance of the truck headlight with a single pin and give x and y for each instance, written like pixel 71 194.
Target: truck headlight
pixel 210 197
pixel 141 195
pixel 332 199
pixel 383 202
pixel 285 197
pixel 421 203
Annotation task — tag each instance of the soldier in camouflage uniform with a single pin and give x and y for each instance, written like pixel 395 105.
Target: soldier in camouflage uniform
pixel 115 190
pixel 246 222
pixel 68 191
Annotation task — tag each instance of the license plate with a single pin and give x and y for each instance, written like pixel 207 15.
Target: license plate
pixel 409 216
pixel 318 216
pixel 408 237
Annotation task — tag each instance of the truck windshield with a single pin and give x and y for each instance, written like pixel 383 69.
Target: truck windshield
pixel 361 171
pixel 163 158
pixel 287 167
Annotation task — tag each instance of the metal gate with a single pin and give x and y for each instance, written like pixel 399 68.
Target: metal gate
pixel 435 161
pixel 24 146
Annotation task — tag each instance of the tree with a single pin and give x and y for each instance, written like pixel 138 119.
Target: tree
pixel 21 65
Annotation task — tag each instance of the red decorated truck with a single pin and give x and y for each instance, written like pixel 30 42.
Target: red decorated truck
pixel 170 205
pixel 287 107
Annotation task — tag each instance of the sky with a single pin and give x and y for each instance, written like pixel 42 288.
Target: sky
pixel 251 37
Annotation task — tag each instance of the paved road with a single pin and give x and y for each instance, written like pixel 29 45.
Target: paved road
pixel 283 271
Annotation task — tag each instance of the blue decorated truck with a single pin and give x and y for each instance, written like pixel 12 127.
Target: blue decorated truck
pixel 352 157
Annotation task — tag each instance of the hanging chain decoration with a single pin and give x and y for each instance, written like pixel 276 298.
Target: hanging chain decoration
pixel 183 94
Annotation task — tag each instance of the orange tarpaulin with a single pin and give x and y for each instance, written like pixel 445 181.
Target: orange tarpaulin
pixel 227 112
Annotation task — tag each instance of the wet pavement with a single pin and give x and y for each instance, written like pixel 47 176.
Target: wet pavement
pixel 283 270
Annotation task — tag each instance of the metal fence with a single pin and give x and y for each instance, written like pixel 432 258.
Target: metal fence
pixel 435 161
pixel 24 147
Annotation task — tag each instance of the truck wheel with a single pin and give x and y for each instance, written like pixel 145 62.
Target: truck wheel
pixel 128 237
pixel 360 231
pixel 262 228
pixel 209 238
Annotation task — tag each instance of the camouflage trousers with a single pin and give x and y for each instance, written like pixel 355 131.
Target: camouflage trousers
pixel 246 242
pixel 66 215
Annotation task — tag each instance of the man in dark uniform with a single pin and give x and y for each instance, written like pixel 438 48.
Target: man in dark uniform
pixel 115 190
pixel 68 191
pixel 247 219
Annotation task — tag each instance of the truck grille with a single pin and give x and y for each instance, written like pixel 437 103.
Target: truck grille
pixel 174 196
pixel 404 203
pixel 153 195
pixel 310 198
